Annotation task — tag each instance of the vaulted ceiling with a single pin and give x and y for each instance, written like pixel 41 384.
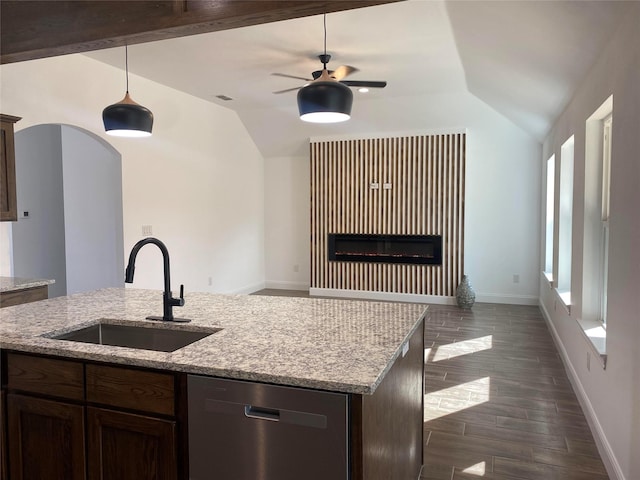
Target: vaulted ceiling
pixel 525 59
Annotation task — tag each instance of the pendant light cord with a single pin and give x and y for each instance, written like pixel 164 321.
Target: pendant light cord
pixel 126 63
pixel 325 41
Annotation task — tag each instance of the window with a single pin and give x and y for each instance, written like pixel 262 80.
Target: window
pixel 607 125
pixel 549 215
pixel 596 213
pixel 565 219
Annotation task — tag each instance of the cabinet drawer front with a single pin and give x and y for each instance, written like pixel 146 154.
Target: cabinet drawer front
pixel 150 392
pixel 46 376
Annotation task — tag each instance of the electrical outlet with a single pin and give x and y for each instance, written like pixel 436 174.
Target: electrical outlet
pixel 296 268
pixel 210 281
pixel 516 278
pixel 147 230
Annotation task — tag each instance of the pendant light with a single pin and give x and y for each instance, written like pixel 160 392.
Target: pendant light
pixel 127 118
pixel 325 100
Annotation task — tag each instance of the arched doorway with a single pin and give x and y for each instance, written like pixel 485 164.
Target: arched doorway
pixel 69 195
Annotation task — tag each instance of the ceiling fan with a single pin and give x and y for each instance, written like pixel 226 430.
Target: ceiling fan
pixel 339 74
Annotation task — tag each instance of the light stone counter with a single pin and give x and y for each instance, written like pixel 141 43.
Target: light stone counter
pixel 11 284
pixel 339 345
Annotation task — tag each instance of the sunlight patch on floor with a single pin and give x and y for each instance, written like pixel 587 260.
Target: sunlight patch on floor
pixel 457 349
pixel 477 469
pixel 454 399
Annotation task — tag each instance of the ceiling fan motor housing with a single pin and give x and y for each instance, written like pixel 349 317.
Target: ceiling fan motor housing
pixel 325 96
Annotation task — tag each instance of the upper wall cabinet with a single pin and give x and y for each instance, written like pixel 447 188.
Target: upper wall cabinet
pixel 8 207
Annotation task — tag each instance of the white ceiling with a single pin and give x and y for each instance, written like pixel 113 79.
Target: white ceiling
pixel 523 58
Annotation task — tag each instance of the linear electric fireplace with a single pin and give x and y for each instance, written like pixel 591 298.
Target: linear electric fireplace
pixel 414 249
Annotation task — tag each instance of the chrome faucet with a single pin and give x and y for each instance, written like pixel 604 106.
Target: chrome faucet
pixel 168 302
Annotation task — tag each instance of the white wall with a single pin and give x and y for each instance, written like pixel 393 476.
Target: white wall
pixel 39 239
pixel 501 206
pixel 287 222
pixel 92 179
pixel 611 397
pixel 198 180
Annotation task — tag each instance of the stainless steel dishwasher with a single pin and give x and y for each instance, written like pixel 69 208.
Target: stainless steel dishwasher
pixel 250 431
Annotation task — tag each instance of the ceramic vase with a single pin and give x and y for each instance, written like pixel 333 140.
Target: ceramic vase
pixel 465 294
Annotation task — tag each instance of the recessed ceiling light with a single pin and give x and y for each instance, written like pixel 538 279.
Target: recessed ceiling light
pixel 224 97
pixel 363 90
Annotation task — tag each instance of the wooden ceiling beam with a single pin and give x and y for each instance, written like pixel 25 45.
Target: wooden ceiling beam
pixel 37 29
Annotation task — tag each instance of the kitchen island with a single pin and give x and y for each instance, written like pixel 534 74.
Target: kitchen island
pixel 372 352
pixel 17 290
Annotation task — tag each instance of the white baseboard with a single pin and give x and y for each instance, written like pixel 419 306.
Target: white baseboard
pixel 286 285
pixel 249 289
pixel 410 297
pixel 385 296
pixel 604 447
pixel 506 298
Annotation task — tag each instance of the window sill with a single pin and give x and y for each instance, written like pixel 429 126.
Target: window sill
pixel 596 334
pixel 549 277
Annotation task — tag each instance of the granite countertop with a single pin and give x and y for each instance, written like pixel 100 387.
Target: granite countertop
pixel 11 284
pixel 338 345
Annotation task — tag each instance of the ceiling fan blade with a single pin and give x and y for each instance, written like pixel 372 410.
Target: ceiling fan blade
pixel 343 71
pixel 364 83
pixel 287 90
pixel 291 76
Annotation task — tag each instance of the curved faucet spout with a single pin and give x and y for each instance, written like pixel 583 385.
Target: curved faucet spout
pixel 167 299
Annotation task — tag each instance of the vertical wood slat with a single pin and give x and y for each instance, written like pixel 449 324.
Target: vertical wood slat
pixel 426 175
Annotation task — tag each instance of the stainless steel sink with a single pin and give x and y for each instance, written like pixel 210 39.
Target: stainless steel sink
pixel 134 336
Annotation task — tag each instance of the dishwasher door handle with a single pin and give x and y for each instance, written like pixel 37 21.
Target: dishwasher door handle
pixel 262 413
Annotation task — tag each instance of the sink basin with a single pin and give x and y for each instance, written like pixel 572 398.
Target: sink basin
pixel 133 336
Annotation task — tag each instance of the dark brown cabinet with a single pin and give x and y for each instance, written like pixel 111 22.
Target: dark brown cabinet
pixel 3 436
pixel 8 206
pixel 47 439
pixel 24 295
pixel 125 446
pixel 132 420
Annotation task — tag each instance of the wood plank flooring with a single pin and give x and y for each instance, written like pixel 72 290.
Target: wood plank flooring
pixel 498 402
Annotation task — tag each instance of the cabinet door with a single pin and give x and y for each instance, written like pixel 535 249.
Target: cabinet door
pixel 3 438
pixel 46 439
pixel 124 446
pixel 8 209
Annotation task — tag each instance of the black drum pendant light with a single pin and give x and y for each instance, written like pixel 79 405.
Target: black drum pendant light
pixel 325 100
pixel 127 118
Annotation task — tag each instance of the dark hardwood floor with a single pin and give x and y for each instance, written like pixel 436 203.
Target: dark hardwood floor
pixel 498 403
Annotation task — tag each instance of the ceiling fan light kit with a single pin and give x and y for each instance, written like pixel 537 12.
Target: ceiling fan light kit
pixel 325 100
pixel 127 118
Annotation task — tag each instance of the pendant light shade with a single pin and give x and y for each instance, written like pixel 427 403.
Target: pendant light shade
pixel 127 118
pixel 325 100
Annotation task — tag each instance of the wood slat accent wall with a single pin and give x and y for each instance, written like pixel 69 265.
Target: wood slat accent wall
pixel 426 197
